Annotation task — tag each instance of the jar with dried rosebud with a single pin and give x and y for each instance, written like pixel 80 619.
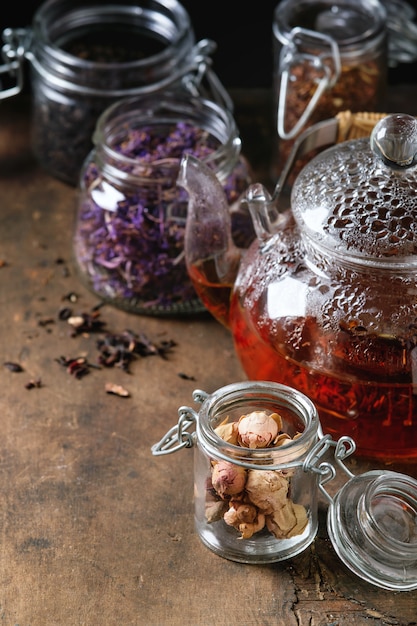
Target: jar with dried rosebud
pixel 260 463
pixel 254 502
pixel 131 216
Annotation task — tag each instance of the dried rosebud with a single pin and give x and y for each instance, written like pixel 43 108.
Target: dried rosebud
pixel 245 518
pixel 267 489
pixel 282 439
pixel 228 479
pixel 258 429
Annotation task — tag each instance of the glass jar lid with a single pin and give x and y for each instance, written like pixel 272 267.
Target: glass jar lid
pixel 352 24
pixel 357 200
pixel 372 523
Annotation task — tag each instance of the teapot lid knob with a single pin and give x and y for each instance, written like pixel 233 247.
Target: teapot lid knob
pixel 394 140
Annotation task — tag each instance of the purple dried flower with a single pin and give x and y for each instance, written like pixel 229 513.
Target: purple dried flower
pixel 129 242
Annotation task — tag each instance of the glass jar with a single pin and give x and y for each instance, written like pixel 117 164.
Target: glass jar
pixel 275 500
pixel 260 461
pixel 131 216
pixel 328 56
pixel 86 54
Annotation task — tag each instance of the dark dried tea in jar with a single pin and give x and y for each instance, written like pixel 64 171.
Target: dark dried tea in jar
pixel 86 54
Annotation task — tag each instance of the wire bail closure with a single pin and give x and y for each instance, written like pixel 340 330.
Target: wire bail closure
pixel 179 437
pixel 327 74
pixel 197 76
pixel 343 448
pixel 16 44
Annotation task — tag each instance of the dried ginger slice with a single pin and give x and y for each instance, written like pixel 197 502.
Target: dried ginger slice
pixel 288 521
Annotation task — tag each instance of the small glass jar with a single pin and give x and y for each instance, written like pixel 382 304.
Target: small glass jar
pixel 268 487
pixel 86 54
pixel 131 217
pixel 328 57
pixel 260 461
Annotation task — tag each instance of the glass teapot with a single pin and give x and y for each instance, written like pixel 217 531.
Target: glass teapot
pixel 325 298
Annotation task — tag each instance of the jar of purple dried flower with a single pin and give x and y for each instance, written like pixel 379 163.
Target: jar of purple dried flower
pixel 131 216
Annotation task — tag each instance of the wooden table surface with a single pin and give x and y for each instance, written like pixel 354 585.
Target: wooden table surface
pixel 95 530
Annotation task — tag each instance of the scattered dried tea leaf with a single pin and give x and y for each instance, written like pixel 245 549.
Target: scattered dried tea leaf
pixel 86 323
pixel 185 376
pixel 34 384
pixel 77 367
pixel 13 367
pixel 120 349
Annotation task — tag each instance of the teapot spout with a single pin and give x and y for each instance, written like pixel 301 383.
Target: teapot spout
pixel 211 256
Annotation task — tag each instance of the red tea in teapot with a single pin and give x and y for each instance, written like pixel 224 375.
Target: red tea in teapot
pixel 355 399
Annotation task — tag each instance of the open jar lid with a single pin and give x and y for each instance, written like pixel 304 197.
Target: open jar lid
pixel 358 199
pixel 372 523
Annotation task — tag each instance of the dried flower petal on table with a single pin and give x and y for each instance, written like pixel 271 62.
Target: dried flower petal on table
pixel 77 367
pixel 34 384
pixel 117 390
pixel 86 323
pixel 120 349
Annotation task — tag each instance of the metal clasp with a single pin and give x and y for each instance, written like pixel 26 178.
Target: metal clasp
pixel 200 70
pixel 178 436
pixel 16 44
pixel 326 74
pixel 344 447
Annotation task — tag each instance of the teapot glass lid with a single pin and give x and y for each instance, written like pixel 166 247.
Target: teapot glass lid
pixel 358 199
